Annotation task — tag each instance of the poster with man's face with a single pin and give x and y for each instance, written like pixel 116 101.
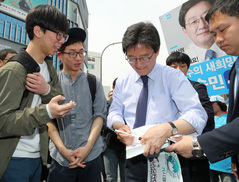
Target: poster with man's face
pixel 186 30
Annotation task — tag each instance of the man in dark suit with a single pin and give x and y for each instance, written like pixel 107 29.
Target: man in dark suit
pixel 194 170
pixel 223 142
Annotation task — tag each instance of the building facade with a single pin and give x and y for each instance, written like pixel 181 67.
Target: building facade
pixel 94 67
pixel 94 63
pixel 12 21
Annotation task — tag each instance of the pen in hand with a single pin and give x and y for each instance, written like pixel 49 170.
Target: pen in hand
pixel 139 138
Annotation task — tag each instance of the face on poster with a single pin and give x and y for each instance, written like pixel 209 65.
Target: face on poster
pixel 20 8
pixel 186 30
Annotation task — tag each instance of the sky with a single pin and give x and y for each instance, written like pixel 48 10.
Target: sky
pixel 108 21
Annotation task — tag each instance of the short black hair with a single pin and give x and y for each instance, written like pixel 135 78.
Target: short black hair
pixel 186 6
pixel 142 32
pixel 178 57
pixel 46 17
pixel 61 66
pixel 114 82
pixel 222 105
pixel 229 7
pixel 4 52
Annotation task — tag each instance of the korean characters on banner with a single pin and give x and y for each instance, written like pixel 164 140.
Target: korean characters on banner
pixel 213 73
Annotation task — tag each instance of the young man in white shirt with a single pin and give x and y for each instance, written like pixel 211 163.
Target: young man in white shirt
pixel 29 97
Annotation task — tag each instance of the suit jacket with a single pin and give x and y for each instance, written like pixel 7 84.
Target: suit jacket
pixel 207 105
pixel 224 141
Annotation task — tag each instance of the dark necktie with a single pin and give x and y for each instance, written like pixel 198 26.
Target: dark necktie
pixel 141 109
pixel 210 54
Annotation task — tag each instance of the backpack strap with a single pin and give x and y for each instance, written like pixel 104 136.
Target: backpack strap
pixel 92 85
pixel 29 65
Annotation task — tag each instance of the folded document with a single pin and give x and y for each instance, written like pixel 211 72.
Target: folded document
pixel 137 148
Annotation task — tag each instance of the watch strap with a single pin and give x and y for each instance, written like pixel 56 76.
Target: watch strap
pixel 174 128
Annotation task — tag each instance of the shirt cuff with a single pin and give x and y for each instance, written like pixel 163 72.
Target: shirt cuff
pixel 48 90
pixel 48 111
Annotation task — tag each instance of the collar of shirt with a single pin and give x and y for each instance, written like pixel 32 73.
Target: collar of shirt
pixel 151 75
pixel 69 76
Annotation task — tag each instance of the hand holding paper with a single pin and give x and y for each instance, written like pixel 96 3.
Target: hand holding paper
pixel 124 135
pixel 136 136
pixel 155 137
pixel 138 147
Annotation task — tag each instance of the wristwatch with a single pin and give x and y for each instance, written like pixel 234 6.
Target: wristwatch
pixel 197 152
pixel 174 129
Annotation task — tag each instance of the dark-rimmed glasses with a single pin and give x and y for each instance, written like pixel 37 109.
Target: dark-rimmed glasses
pixel 59 35
pixel 142 59
pixel 82 54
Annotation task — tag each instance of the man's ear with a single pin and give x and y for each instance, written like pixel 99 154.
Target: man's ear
pixel 37 31
pixel 59 55
pixel 185 31
pixel 157 53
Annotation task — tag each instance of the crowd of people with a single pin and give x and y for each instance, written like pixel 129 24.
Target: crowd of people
pixel 66 118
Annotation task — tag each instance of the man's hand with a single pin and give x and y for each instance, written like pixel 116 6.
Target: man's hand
pixel 80 154
pixel 183 146
pixel 155 137
pixel 36 84
pixel 234 169
pixel 75 160
pixel 59 111
pixel 124 138
pixel 72 157
pixel 68 154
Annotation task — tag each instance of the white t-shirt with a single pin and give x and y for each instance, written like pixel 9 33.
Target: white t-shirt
pixel 29 146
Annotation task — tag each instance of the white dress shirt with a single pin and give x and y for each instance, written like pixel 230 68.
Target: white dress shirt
pixel 170 97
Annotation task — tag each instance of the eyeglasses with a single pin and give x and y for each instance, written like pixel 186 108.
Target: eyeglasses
pixel 142 59
pixel 193 23
pixel 59 35
pixel 82 54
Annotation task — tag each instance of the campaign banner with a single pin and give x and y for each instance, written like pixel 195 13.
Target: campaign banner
pixel 186 30
pixel 214 74
pixel 173 34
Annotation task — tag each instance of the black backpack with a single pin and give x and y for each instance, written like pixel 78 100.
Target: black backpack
pixel 92 85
